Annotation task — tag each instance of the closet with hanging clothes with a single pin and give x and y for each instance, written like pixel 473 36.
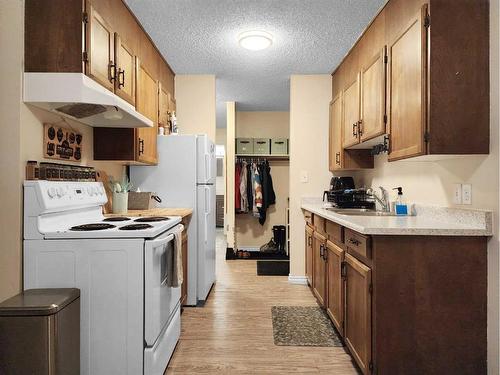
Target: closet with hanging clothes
pixel 261 185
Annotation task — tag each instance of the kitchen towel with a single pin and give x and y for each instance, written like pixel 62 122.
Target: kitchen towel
pixel 175 275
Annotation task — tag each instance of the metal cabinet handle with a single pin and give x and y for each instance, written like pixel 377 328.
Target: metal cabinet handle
pixel 321 249
pixel 354 129
pixel 337 158
pixel 354 241
pixel 360 127
pixel 309 241
pixel 141 146
pixel 121 78
pixel 111 71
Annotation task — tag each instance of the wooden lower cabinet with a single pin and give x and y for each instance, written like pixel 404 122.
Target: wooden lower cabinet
pixel 404 304
pixel 309 254
pixel 335 285
pixel 358 312
pixel 319 267
pixel 184 287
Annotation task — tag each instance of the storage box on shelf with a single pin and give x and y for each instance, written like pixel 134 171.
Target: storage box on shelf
pixel 261 146
pixel 244 146
pixel 279 146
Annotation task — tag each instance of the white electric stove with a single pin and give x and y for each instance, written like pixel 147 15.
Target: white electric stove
pixel 130 317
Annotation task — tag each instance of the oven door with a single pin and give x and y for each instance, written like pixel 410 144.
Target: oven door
pixel 160 300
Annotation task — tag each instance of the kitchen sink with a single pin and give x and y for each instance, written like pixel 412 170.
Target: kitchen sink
pixel 359 212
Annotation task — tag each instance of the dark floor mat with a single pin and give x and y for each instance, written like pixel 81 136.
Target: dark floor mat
pixel 303 326
pixel 254 255
pixel 273 267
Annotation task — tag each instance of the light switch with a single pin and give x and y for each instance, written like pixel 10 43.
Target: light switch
pixel 304 177
pixel 466 194
pixel 457 193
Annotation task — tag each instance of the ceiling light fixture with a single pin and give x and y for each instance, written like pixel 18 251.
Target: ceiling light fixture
pixel 255 40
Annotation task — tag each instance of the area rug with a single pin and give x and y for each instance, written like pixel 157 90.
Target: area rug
pixel 303 326
pixel 273 267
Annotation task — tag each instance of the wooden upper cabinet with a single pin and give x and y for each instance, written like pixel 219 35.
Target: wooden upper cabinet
pixel 100 49
pixel 351 115
pixel 319 264
pixel 336 152
pixel 125 70
pixel 163 107
pixel 147 104
pixel 373 92
pixel 335 285
pixel 407 89
pixel 357 323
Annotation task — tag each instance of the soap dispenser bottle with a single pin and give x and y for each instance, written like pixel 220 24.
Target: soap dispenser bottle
pixel 400 206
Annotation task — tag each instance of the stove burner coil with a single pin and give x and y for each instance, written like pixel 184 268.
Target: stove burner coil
pixel 91 227
pixel 117 218
pixel 136 227
pixel 151 219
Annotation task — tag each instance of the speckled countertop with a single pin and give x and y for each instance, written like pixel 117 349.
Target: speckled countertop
pixel 428 221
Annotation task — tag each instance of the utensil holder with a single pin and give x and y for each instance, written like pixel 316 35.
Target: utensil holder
pixel 120 203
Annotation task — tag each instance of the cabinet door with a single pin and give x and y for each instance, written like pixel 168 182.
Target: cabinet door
pixel 319 264
pixel 407 90
pixel 351 113
pixel 336 152
pixel 147 104
pixel 335 285
pixel 309 254
pixel 100 39
pixel 125 76
pixel 163 107
pixel 357 323
pixel 373 84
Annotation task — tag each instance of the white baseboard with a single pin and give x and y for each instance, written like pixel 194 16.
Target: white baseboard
pixel 301 280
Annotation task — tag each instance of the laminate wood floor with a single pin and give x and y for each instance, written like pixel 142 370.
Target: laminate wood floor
pixel 233 332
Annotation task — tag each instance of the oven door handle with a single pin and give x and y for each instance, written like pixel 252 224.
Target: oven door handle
pixel 161 240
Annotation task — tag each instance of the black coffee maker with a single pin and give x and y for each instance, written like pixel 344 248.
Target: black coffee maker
pixel 343 194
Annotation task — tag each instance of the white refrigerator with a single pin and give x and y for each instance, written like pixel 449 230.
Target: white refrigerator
pixel 185 177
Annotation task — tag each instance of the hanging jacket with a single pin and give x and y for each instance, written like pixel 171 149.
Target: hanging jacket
pixel 249 187
pixel 268 195
pixel 243 187
pixel 258 192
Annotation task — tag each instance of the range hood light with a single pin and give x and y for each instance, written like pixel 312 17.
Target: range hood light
pixel 113 114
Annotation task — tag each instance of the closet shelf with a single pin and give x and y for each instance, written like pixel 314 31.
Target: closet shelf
pixel 264 156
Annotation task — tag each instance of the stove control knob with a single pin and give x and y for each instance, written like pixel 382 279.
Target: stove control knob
pixel 59 192
pixel 51 192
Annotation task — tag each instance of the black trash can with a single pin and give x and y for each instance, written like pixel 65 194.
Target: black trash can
pixel 40 332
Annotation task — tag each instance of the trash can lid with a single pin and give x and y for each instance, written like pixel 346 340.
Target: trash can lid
pixel 38 302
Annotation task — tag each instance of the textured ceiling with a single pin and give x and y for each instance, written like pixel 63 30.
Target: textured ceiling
pixel 200 37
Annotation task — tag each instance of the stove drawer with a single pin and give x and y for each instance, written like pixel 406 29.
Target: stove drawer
pixel 156 357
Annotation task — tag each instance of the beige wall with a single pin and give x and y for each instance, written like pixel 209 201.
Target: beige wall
pixel 310 96
pixel 195 100
pixel 22 140
pixel 262 124
pixel 220 136
pixel 249 233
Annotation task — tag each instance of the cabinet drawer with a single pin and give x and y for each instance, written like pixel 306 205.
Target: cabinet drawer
pixel 357 244
pixel 319 223
pixel 244 146
pixel 334 232
pixel 308 218
pixel 262 146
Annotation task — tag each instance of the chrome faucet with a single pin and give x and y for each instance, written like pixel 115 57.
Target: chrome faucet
pixel 383 200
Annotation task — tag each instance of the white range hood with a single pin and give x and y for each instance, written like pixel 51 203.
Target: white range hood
pixel 78 97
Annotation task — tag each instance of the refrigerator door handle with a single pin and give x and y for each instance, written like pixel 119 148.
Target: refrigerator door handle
pixel 208 172
pixel 207 211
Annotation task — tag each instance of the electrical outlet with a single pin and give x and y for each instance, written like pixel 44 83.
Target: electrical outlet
pixel 304 177
pixel 466 194
pixel 457 193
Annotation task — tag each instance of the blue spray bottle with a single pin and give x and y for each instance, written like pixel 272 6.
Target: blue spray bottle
pixel 401 207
